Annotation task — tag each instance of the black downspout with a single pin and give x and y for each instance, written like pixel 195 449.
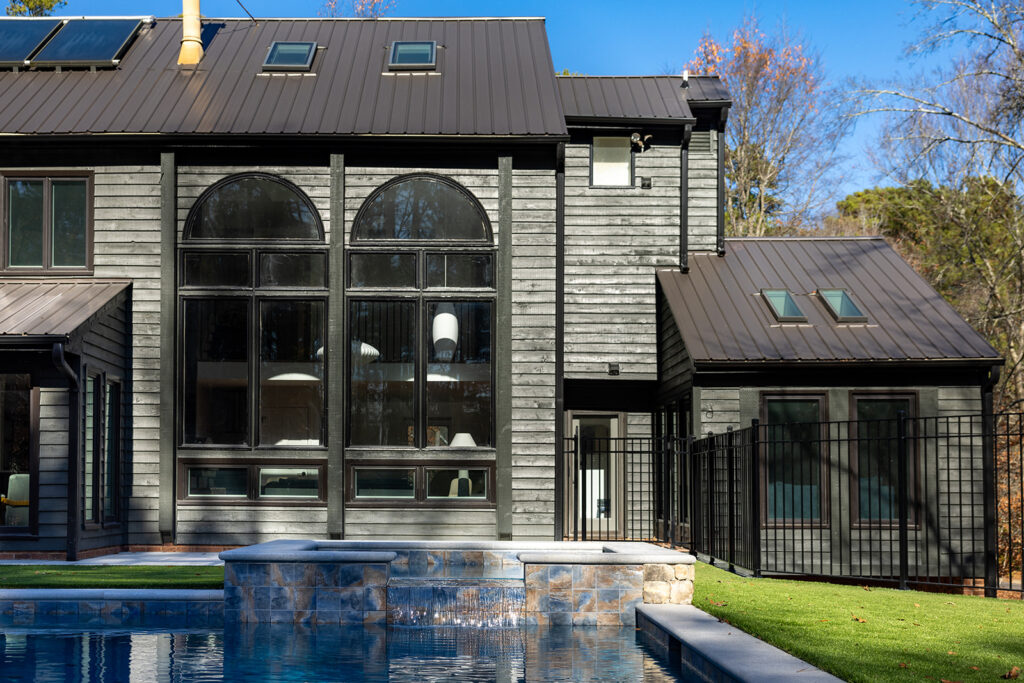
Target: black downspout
pixel 723 116
pixel 988 460
pixel 684 200
pixel 74 429
pixel 559 339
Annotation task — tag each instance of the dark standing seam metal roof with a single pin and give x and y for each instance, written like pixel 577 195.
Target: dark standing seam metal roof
pixel 494 77
pixel 706 90
pixel 633 98
pixel 722 317
pixel 52 308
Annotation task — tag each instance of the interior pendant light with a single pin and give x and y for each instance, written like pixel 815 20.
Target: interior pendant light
pixel 445 332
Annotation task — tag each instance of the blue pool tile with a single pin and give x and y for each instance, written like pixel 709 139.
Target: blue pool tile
pixel 168 608
pixel 304 598
pixel 258 575
pixel 398 596
pixel 292 574
pixel 350 617
pixel 232 616
pixel 231 573
pixel 589 619
pixel 376 617
pixel 559 577
pixel 374 598
pixel 216 614
pixel 282 616
pixel 350 576
pixel 324 617
pixel 328 599
pixel 261 597
pixel 326 574
pixel 490 598
pixel 233 597
pixel 418 565
pixel 280 598
pixel 560 601
pixel 560 618
pixel 515 596
pixel 198 614
pixel 375 575
pixel 421 597
pixel 350 599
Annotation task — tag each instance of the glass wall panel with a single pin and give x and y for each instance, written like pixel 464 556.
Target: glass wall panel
pixel 794 458
pixel 382 270
pixel 420 208
pixel 69 210
pixel 289 482
pixel 385 483
pixel 25 223
pixel 458 396
pixel 112 450
pixel 91 452
pixel 877 456
pixel 254 207
pixel 15 449
pixel 216 371
pixel 383 373
pixel 228 482
pixel 293 270
pixel 456 483
pixel 216 269
pixel 460 270
pixel 291 373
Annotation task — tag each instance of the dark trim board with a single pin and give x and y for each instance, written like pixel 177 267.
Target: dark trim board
pixel 616 395
pixel 558 520
pixel 796 373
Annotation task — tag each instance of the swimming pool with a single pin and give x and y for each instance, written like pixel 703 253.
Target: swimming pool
pixel 284 652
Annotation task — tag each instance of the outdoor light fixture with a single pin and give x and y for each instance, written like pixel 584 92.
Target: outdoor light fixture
pixel 445 332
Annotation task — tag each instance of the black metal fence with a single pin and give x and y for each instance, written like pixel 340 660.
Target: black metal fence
pixel 914 502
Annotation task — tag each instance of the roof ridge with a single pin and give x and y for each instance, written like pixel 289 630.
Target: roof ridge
pixel 356 19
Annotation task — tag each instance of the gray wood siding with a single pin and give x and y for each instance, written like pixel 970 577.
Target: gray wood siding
pixel 702 219
pixel 614 239
pixel 245 525
pixel 437 524
pixel 675 370
pixel 53 473
pixel 715 410
pixel 127 245
pixel 639 465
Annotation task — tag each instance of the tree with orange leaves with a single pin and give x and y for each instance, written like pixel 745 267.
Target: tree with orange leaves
pixel 785 125
pixel 365 9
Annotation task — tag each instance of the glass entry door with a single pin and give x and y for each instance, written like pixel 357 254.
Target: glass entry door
pixel 597 482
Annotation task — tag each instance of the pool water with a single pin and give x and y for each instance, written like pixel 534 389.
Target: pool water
pixel 283 652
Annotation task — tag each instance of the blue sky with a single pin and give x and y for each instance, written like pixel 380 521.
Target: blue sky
pixel 863 40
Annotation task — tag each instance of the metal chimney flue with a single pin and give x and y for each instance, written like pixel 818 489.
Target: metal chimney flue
pixel 191 42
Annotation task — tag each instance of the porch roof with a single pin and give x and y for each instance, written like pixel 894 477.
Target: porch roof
pixel 723 318
pixel 53 310
pixel 651 99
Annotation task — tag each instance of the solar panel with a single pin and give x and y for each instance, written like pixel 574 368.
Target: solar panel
pixel 19 38
pixel 88 42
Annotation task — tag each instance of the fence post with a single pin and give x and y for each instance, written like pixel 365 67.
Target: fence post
pixel 693 502
pixel 988 469
pixel 580 499
pixel 754 462
pixel 672 453
pixel 710 452
pixel 730 471
pixel 902 482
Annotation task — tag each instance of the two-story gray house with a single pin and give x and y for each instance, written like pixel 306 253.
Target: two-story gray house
pixel 360 278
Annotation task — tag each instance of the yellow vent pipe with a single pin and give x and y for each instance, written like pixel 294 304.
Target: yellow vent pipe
pixel 191 42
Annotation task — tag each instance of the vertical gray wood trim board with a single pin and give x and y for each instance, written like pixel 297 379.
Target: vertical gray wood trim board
pixel 503 406
pixel 559 334
pixel 684 200
pixel 721 181
pixel 336 355
pixel 168 428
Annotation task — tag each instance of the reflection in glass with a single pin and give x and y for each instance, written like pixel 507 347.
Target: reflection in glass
pixel 90 445
pixel 383 364
pixel 292 270
pixel 459 395
pixel 291 373
pixel 612 162
pixel 381 483
pixel 794 458
pixel 456 483
pixel 216 373
pixel 289 482
pixel 421 208
pixel 217 481
pixel 216 269
pixel 112 449
pixel 382 270
pixel 25 223
pixel 15 449
pixel 877 456
pixel 68 216
pixel 255 207
pixel 459 270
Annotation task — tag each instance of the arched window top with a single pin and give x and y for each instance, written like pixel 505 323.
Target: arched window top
pixel 421 208
pixel 253 206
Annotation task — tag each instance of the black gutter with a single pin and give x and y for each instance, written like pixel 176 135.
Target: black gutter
pixel 559 336
pixel 74 428
pixel 753 365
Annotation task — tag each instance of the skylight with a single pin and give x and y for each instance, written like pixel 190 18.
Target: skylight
pixel 289 56
pixel 841 306
pixel 406 54
pixel 783 306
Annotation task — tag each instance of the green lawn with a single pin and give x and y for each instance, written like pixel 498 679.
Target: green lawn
pixel 875 634
pixel 96 576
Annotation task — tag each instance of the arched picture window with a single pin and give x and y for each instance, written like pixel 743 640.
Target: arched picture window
pixel 252 284
pixel 253 206
pixel 420 317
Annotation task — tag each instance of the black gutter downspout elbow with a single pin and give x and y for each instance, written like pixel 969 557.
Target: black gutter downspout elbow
pixel 988 469
pixel 74 427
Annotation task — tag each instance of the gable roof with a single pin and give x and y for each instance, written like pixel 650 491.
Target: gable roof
pixel 494 77
pixel 722 317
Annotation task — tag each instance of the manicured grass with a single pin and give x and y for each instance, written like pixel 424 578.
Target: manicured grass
pixel 95 576
pixel 875 634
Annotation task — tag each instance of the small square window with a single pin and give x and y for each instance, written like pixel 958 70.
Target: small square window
pixel 611 162
pixel 783 306
pixel 413 55
pixel 840 304
pixel 289 56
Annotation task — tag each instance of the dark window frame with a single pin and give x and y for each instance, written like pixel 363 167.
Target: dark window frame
pixel 8 175
pixel 102 459
pixel 862 318
pixel 824 458
pixel 632 165
pixel 913 471
pixel 30 532
pixel 306 66
pixel 420 499
pixel 252 495
pixel 802 318
pixel 418 66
